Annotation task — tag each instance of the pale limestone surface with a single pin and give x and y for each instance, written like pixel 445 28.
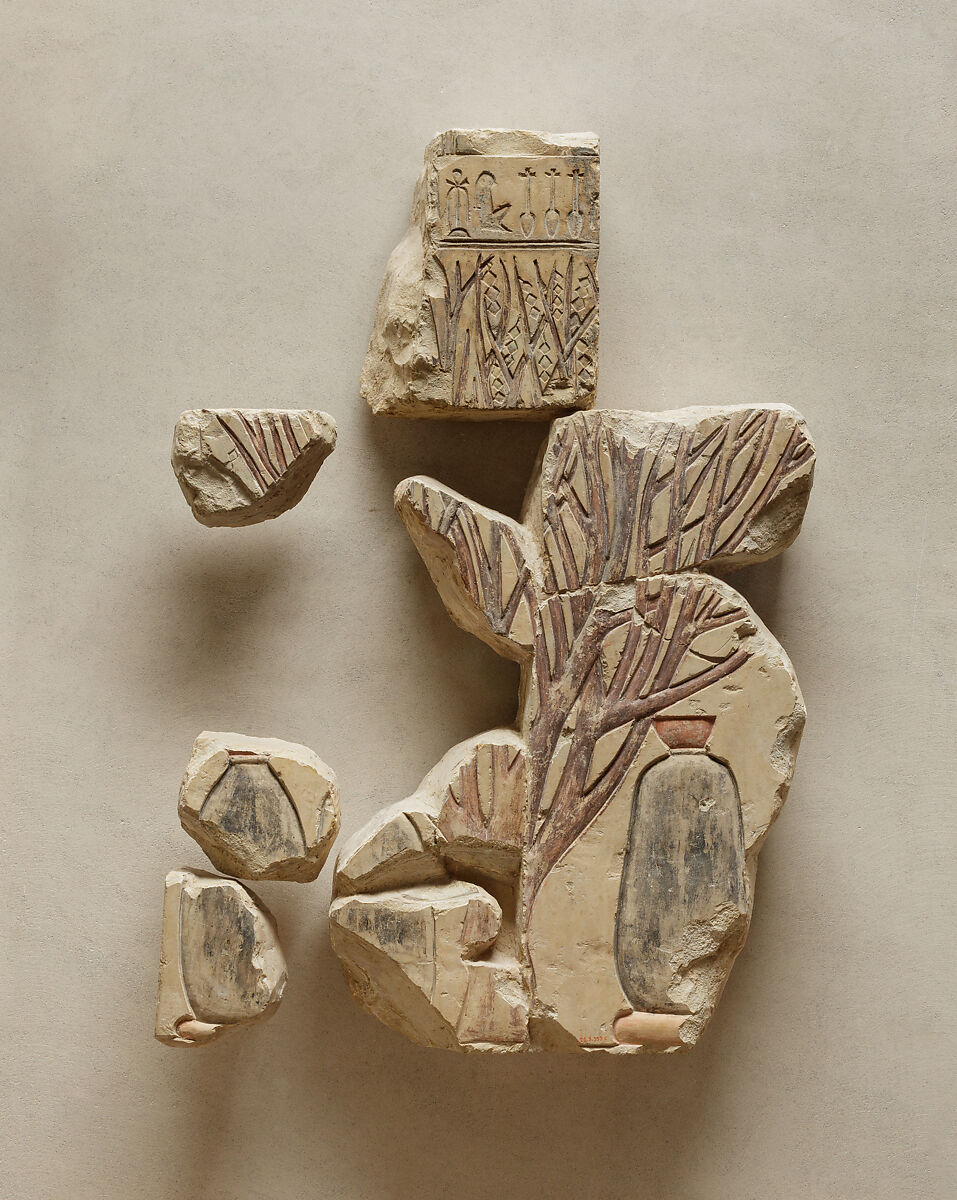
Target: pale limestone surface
pixel 259 807
pixel 221 964
pixel 239 466
pixel 421 969
pixel 489 305
pixel 617 829
pixel 200 204
pixel 759 719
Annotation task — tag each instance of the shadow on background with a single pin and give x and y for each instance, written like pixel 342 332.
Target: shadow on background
pixel 213 602
pixel 469 687
pixel 761 585
pixel 488 461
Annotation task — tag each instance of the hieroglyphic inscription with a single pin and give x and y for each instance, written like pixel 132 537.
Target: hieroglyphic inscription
pixel 518 199
pixel 517 322
pixel 490 306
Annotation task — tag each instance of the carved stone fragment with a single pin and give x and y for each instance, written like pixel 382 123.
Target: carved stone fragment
pixel 260 808
pixel 617 829
pixel 489 306
pixel 239 466
pixel 413 957
pixel 221 965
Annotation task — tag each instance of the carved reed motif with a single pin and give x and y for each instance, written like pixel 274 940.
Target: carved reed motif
pixel 599 593
pixel 239 466
pixel 516 329
pixel 485 797
pixel 266 442
pixel 489 306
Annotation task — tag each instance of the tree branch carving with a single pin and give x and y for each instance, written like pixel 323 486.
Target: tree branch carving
pixel 598 589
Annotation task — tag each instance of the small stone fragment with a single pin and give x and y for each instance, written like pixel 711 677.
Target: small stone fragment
pixel 239 466
pixel 409 957
pixel 466 815
pixel 221 965
pixel 495 1009
pixel 489 305
pixel 196 1031
pixel 398 848
pixel 260 808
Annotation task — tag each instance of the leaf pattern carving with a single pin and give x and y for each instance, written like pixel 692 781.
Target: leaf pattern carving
pixel 599 591
pixel 617 508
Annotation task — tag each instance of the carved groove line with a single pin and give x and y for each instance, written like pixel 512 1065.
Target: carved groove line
pixel 251 443
pixel 519 329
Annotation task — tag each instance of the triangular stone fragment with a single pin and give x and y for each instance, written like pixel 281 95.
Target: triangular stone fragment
pixel 240 466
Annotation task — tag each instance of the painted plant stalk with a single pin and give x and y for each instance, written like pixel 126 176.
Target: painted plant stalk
pixel 602 594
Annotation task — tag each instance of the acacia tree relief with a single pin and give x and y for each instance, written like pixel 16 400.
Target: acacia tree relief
pixel 516 842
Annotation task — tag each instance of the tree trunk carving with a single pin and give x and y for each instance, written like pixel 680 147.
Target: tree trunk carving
pixel 600 592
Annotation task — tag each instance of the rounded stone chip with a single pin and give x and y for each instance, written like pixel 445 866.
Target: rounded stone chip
pixel 260 808
pixel 221 964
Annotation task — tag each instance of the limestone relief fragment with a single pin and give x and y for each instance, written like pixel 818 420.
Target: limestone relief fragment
pixel 260 808
pixel 489 306
pixel 432 983
pixel 239 466
pixel 600 858
pixel 221 965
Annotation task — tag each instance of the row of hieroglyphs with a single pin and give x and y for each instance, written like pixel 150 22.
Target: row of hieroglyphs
pixel 489 306
pixel 518 199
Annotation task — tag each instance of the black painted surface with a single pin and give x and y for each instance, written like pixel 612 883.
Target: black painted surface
pixel 684 864
pixel 252 808
pixel 217 941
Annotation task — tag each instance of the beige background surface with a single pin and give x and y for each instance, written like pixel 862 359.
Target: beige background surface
pixel 198 201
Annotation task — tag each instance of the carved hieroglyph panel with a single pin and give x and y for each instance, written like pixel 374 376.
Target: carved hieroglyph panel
pixel 221 965
pixel 259 807
pixel 617 828
pixel 489 307
pixel 239 466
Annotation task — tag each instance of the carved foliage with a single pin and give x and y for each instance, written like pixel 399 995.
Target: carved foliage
pixel 482 563
pixel 596 589
pixel 516 329
pixel 599 691
pixel 618 506
pixel 484 800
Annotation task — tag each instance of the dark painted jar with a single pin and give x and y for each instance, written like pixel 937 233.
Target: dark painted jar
pixel 684 870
